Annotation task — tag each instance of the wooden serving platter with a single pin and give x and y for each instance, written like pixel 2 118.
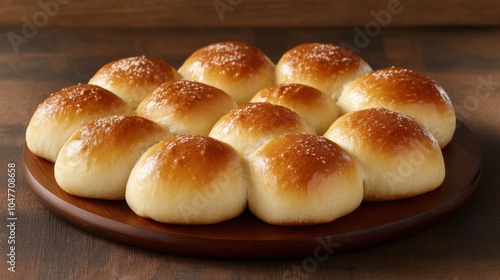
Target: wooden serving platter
pixel 246 237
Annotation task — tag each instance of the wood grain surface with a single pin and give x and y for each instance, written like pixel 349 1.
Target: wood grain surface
pixel 465 61
pixel 244 13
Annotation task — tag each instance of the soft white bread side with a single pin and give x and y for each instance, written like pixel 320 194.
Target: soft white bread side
pixel 399 156
pixel 133 78
pixel 237 68
pixel 308 102
pixel 303 179
pixel 97 159
pixel 251 125
pixel 405 91
pixel 188 179
pixel 63 112
pixel 327 67
pixel 186 107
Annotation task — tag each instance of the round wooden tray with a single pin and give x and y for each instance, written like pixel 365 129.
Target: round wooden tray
pixel 246 237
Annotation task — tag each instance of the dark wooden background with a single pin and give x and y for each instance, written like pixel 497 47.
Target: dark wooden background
pixel 258 13
pixel 455 42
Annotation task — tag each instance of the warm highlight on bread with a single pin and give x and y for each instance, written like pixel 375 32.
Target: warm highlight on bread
pixel 405 91
pixel 237 68
pixel 133 78
pixel 188 179
pixel 186 107
pixel 308 102
pixel 302 142
pixel 327 67
pixel 249 126
pixel 63 112
pixel 303 179
pixel 399 156
pixel 97 159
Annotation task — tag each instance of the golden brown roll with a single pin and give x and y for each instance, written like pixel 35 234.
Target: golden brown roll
pixel 303 179
pixel 399 156
pixel 133 78
pixel 188 179
pixel 249 126
pixel 63 112
pixel 97 159
pixel 327 67
pixel 237 68
pixel 308 102
pixel 405 91
pixel 186 107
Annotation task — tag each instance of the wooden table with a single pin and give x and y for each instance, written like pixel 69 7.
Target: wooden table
pixel 466 245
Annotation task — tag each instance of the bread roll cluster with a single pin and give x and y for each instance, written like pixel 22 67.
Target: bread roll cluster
pixel 302 142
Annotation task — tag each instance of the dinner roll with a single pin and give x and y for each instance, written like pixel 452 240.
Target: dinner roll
pixel 303 179
pixel 188 179
pixel 97 159
pixel 58 116
pixel 186 107
pixel 399 156
pixel 326 67
pixel 249 126
pixel 237 68
pixel 405 91
pixel 308 102
pixel 133 78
